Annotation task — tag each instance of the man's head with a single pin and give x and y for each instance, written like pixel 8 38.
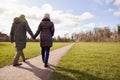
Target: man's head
pixel 22 17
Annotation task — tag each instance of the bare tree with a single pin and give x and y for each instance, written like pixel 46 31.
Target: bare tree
pixel 106 34
pixel 98 35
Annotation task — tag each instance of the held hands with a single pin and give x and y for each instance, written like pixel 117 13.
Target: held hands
pixel 33 37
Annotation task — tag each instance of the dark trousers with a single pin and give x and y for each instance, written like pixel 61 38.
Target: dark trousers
pixel 17 56
pixel 45 54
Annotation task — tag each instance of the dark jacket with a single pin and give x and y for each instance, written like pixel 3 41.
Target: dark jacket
pixel 18 33
pixel 46 31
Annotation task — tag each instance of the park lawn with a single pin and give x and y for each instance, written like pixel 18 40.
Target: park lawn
pixel 7 51
pixel 90 61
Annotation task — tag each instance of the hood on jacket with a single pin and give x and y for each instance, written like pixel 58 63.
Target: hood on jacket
pixel 22 18
pixel 17 20
pixel 45 19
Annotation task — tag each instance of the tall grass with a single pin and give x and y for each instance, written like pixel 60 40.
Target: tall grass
pixel 7 51
pixel 90 61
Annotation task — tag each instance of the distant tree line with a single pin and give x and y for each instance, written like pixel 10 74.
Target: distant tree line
pixel 3 37
pixel 65 38
pixel 96 35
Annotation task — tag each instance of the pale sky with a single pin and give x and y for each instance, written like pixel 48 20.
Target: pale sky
pixel 69 16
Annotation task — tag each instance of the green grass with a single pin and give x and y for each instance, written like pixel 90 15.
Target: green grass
pixel 90 61
pixel 7 51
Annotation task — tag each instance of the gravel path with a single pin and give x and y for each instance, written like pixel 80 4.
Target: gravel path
pixel 33 69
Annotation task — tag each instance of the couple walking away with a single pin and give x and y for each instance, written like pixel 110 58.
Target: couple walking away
pixel 18 35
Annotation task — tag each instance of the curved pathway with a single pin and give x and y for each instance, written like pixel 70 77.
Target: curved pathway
pixel 33 69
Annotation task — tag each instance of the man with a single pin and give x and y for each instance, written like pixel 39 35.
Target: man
pixel 18 35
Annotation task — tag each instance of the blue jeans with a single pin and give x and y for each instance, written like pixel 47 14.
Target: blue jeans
pixel 45 54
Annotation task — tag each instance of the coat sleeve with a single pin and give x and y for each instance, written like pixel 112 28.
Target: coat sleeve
pixel 12 33
pixel 28 29
pixel 38 31
pixel 52 29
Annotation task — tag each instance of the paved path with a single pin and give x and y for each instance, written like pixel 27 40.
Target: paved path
pixel 33 69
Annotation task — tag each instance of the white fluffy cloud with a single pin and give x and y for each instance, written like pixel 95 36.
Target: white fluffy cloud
pixel 110 10
pixel 117 13
pixel 109 1
pixel 64 21
pixel 117 3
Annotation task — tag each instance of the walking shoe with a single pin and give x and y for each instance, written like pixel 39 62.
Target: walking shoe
pixel 46 65
pixel 25 59
pixel 18 64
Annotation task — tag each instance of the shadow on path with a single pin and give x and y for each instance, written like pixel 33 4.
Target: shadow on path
pixel 40 73
pixel 45 74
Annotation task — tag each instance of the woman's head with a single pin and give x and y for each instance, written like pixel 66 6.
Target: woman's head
pixel 47 15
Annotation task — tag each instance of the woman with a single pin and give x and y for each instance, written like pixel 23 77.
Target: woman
pixel 46 31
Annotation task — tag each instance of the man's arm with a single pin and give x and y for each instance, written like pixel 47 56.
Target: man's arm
pixel 28 29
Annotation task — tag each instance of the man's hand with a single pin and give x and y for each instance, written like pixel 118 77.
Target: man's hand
pixel 33 37
pixel 12 42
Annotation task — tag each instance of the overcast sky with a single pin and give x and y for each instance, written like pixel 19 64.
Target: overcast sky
pixel 69 16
